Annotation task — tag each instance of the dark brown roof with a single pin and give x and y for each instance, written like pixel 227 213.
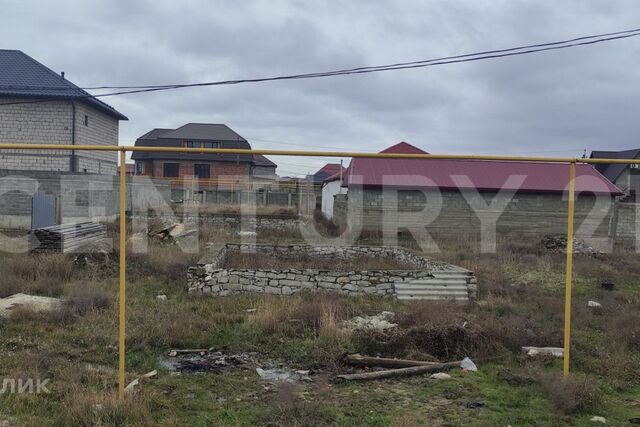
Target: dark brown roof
pixel 260 160
pixel 204 131
pixel 613 171
pixel 161 137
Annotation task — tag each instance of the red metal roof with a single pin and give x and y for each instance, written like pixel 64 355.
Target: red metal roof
pixel 330 169
pixel 404 148
pixel 488 175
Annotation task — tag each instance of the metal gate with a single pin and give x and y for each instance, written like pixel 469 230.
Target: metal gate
pixel 43 211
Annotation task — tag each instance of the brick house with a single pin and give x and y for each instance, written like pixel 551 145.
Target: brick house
pixel 39 106
pixel 207 170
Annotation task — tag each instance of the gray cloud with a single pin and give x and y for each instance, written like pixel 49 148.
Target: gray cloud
pixel 556 102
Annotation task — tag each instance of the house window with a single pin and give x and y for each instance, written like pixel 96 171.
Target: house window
pixel 170 170
pixel 202 170
pixel 86 120
pixel 139 168
pixel 211 145
pixel 191 144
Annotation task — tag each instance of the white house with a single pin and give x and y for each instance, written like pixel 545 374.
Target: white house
pixel 330 187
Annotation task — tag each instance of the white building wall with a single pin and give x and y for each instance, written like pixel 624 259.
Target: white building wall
pixel 329 190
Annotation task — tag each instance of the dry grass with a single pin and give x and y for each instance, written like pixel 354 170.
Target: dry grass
pixel 316 315
pixel 86 298
pixel 520 304
pixel 44 274
pixel 576 394
pixel 300 262
pixel 318 312
pixel 169 263
pixel 164 326
pixel 235 210
pixel 325 226
pixel 291 410
pixel 448 331
pixel 87 408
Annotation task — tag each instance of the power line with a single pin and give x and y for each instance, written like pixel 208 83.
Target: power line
pixel 365 70
pixel 578 41
pixel 470 57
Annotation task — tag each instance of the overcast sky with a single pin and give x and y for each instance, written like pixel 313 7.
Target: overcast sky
pixel 554 103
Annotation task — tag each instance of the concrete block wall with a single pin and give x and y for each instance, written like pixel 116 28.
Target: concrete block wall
pixel 52 123
pixel 625 223
pixel 525 213
pixel 41 123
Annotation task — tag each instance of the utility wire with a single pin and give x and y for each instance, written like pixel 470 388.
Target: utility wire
pixel 491 54
pixel 420 64
pixel 401 65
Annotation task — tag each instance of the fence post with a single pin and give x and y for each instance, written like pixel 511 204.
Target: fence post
pixel 122 266
pixel 569 269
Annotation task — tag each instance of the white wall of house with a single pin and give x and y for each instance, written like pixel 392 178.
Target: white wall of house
pixel 329 190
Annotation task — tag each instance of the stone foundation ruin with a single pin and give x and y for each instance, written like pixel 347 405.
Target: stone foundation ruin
pixel 425 279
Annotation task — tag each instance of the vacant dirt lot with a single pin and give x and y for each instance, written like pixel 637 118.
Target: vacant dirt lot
pixel 521 303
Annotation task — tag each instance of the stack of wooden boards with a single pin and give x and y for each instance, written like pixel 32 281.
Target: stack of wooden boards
pixel 67 237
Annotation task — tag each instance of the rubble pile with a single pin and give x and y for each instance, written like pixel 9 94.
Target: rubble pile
pixel 558 243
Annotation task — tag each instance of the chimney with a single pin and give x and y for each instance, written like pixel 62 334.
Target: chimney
pixel 62 74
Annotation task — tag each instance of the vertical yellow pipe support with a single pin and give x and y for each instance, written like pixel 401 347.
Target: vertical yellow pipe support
pixel 123 266
pixel 569 269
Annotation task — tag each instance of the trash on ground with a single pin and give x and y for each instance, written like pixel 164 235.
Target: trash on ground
pixel 474 405
pixel 196 361
pixel 468 365
pixel 247 233
pixel 150 374
pixel 133 384
pixel 161 297
pixel 553 351
pixel 35 303
pixel 378 322
pixel 172 233
pixel 607 286
pixel 200 351
pixel 558 244
pixel 594 304
pixel 251 310
pixel 283 375
pixel 597 419
pixel 440 376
